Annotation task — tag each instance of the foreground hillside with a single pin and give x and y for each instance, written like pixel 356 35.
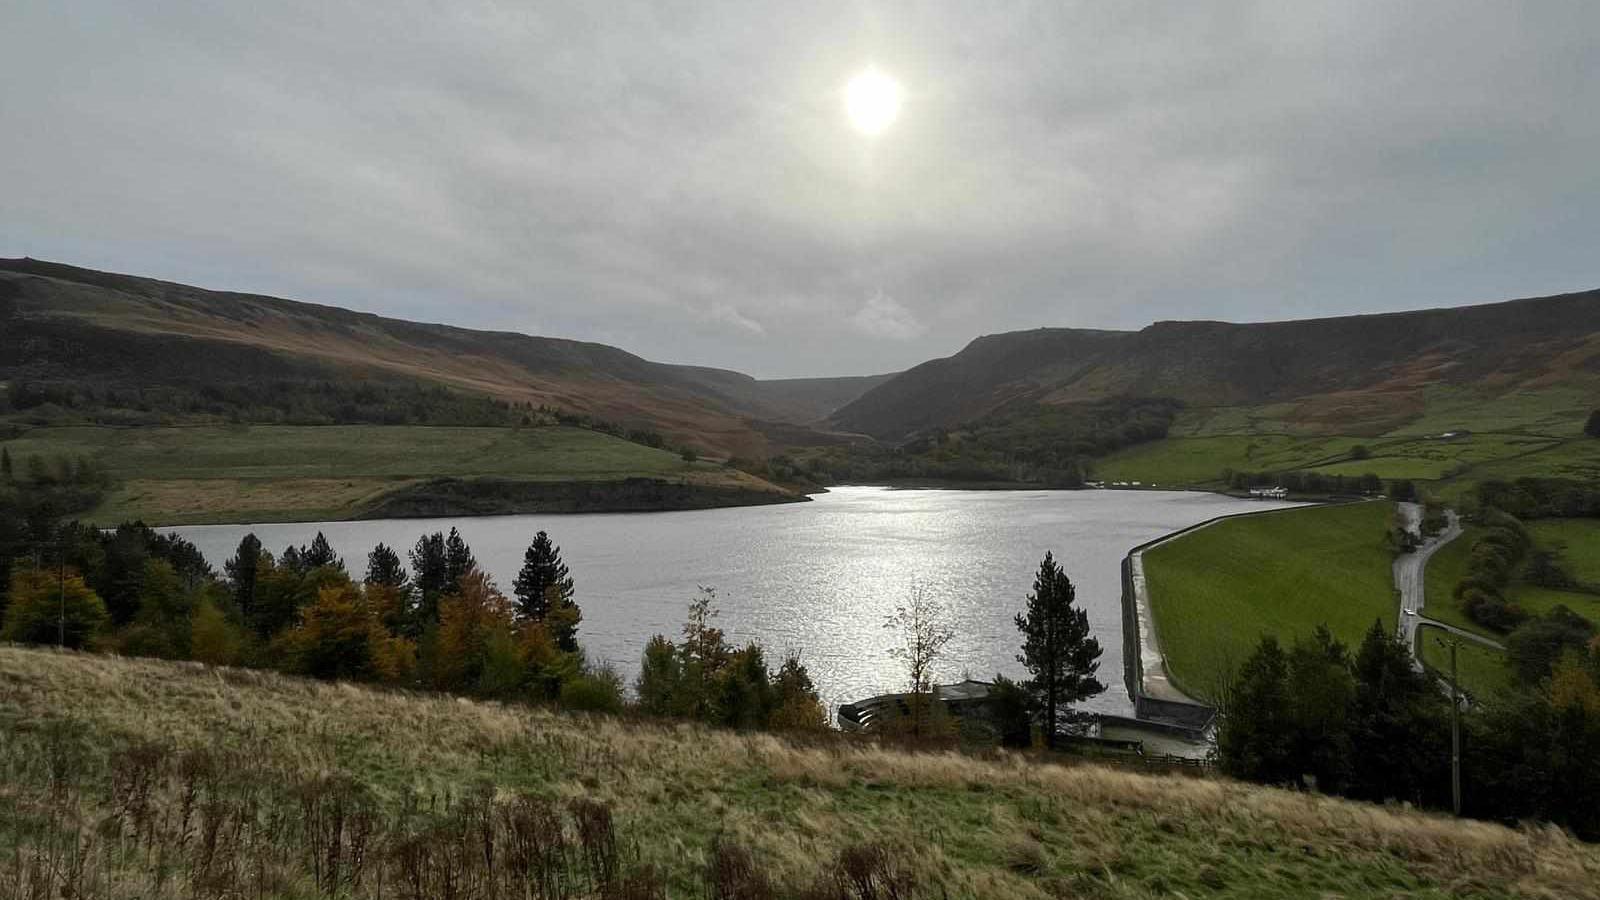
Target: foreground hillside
pixel 144 779
pixel 137 347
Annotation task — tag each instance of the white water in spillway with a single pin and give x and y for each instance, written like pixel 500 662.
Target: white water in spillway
pixel 819 576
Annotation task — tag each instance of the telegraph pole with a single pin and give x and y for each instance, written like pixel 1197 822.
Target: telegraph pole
pixel 1455 726
pixel 61 602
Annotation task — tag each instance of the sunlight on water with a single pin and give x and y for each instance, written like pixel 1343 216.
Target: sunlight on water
pixel 819 576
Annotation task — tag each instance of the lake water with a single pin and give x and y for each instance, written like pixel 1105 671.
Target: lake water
pixel 820 576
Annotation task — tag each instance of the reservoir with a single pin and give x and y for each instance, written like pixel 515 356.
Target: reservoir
pixel 817 577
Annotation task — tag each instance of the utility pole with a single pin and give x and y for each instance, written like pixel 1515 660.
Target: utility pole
pixel 61 602
pixel 1455 726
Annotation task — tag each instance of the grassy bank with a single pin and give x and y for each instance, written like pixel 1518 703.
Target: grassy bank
pixel 1215 592
pixel 198 474
pixel 106 750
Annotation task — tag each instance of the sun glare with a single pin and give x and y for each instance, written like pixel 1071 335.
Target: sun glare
pixel 873 101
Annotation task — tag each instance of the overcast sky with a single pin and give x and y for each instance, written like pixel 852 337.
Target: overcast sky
pixel 682 180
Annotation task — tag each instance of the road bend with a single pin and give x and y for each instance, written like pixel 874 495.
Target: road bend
pixel 1410 581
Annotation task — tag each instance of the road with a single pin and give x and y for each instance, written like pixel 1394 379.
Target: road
pixel 1410 581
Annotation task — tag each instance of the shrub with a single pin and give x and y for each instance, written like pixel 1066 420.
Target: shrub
pixel 599 692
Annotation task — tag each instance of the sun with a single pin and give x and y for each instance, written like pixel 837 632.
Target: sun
pixel 873 101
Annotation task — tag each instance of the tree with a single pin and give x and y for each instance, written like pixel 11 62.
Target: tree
pixel 923 630
pixel 1534 647
pixel 44 607
pixel 1398 725
pixel 431 570
pixel 543 582
pixel 458 560
pixel 1011 712
pixel 660 678
pixel 468 618
pixel 1321 691
pixel 383 567
pixel 702 656
pixel 796 704
pixel 1592 427
pixel 8 475
pixel 1256 739
pixel 242 572
pixel 320 554
pixel 1057 647
pixel 213 640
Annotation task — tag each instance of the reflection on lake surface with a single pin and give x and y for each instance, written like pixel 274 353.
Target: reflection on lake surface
pixel 818 576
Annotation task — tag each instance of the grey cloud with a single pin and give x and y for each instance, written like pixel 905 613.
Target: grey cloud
pixel 680 179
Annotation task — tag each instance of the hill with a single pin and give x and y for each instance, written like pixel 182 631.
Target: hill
pixel 144 778
pixel 198 474
pixel 142 350
pixel 1350 375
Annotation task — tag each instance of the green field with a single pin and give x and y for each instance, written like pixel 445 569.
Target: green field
pixel 1482 670
pixel 1524 433
pixel 1449 565
pixel 1201 460
pixel 1216 591
pixel 180 475
pixel 1580 539
pixel 1449 468
pixel 181 780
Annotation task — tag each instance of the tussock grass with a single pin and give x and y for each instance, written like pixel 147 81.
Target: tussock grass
pixel 688 808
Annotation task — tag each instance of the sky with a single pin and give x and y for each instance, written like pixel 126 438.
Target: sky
pixel 682 180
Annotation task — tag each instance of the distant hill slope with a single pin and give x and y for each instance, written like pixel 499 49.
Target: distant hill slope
pixel 1349 375
pixel 122 331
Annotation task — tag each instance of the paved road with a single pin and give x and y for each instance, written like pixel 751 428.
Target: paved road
pixel 1410 581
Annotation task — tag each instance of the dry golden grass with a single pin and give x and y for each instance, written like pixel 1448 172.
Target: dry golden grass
pixel 1004 826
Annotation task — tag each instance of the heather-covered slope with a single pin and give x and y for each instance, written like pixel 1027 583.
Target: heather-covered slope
pixel 125 333
pixel 1349 375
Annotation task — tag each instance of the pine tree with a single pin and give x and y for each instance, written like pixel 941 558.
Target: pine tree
pixel 1257 737
pixel 1057 647
pixel 543 582
pixel 383 567
pixel 431 570
pixel 6 473
pixel 458 560
pixel 242 571
pixel 1398 724
pixel 320 554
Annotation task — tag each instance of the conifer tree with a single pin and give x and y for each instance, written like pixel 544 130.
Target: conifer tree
pixel 6 473
pixel 1057 648
pixel 320 554
pixel 431 571
pixel 458 560
pixel 242 570
pixel 1398 723
pixel 543 582
pixel 383 567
